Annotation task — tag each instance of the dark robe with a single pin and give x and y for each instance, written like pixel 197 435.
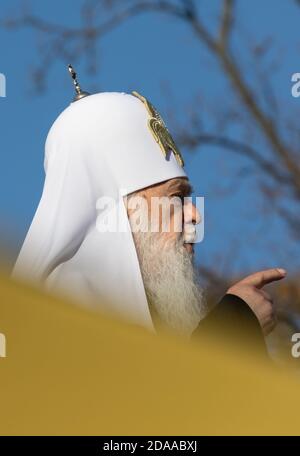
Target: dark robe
pixel 232 322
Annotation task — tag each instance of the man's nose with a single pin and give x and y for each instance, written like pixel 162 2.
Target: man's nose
pixel 191 213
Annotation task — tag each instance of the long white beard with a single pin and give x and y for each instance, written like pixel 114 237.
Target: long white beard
pixel 171 281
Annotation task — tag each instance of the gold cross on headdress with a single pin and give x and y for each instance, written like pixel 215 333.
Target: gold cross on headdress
pixel 159 130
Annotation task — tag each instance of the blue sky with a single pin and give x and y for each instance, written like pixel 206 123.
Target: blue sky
pixel 147 53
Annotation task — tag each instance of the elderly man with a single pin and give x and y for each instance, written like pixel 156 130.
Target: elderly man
pixel 103 153
pixel 171 280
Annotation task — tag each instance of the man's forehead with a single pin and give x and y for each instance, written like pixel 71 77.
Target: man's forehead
pixel 178 185
pixel 178 182
pixel 170 186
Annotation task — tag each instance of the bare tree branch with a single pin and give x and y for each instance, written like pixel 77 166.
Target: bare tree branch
pixel 196 140
pixel 71 43
pixel 226 23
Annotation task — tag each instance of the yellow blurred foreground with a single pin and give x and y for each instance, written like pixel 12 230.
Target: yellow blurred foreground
pixel 71 371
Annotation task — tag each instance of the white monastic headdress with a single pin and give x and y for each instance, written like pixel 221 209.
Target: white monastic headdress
pixel 101 145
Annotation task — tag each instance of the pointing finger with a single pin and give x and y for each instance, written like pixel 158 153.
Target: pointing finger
pixel 262 278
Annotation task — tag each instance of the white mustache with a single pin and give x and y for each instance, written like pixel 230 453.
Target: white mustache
pixel 189 233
